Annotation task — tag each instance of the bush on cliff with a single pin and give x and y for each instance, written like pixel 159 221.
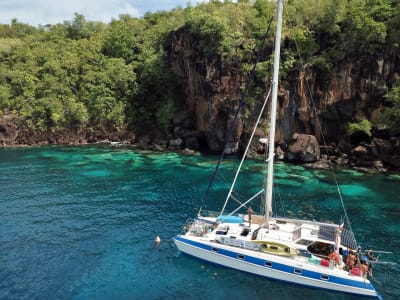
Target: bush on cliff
pixel 391 113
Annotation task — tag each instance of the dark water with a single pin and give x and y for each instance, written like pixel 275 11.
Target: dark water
pixel 79 223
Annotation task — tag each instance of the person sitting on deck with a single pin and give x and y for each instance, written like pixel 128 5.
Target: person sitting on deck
pixel 351 260
pixel 333 256
pixel 364 268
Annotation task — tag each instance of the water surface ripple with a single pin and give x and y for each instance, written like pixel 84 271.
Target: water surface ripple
pixel 79 223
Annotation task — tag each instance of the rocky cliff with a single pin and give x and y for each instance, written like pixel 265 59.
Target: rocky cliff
pixel 314 110
pixel 211 88
pixel 307 105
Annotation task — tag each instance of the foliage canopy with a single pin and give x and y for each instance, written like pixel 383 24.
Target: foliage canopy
pixel 111 76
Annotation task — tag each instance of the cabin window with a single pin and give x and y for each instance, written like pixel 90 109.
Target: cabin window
pixel 214 249
pixel 324 277
pixel 268 264
pixel 297 271
pixel 240 256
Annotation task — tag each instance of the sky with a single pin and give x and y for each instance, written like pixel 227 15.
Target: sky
pixel 42 12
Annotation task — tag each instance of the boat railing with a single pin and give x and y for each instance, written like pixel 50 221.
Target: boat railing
pixel 198 227
pixel 238 243
pixel 210 213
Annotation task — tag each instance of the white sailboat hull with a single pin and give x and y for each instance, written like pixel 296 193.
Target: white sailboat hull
pixel 273 266
pixel 264 247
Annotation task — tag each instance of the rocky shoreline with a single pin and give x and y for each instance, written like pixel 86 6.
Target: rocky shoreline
pixel 377 156
pixel 211 89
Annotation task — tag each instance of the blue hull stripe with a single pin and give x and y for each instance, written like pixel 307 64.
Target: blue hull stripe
pixel 281 267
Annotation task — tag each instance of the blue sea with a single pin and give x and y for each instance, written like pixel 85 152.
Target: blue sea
pixel 80 223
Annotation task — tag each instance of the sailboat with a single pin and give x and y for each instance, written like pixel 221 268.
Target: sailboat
pixel 310 253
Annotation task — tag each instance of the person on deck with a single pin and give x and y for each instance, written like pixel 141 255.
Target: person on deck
pixel 250 212
pixel 333 256
pixel 351 260
pixel 364 268
pixel 371 257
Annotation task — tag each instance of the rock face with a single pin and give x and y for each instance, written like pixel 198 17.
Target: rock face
pixel 211 87
pixel 8 130
pixel 13 135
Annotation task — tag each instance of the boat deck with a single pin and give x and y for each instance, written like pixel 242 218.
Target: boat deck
pixel 284 237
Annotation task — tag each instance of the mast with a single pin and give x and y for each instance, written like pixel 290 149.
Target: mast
pixel 271 147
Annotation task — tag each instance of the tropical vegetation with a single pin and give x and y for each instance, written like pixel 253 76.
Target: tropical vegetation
pixel 90 75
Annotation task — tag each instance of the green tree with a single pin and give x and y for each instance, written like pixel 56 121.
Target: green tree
pixel 393 25
pixel 16 30
pixel 123 38
pixel 391 113
pixel 79 28
pixel 361 33
pixel 359 131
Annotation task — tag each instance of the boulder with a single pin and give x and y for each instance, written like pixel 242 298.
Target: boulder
pixel 176 144
pixel 360 151
pixel 383 146
pixel 303 148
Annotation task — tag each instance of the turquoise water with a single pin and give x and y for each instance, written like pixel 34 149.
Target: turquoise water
pixel 79 223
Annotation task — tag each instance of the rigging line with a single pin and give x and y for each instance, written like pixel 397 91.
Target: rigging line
pixel 239 198
pixel 243 202
pixel 241 103
pixel 249 200
pixel 246 150
pixel 222 178
pixel 278 200
pixel 237 201
pixel 323 138
pixel 277 196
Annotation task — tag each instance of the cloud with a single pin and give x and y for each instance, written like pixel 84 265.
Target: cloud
pixel 42 12
pixel 35 12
